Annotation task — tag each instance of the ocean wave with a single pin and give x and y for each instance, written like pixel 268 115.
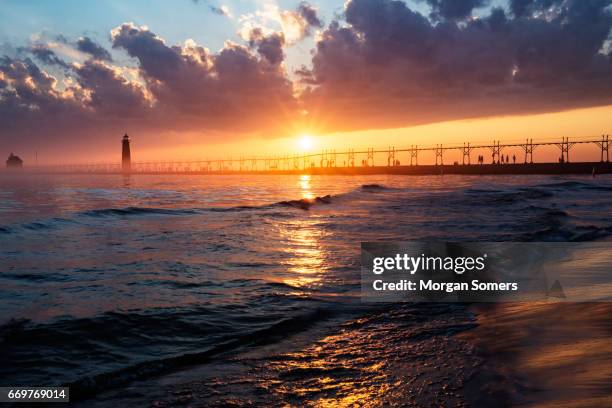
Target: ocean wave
pixel 373 187
pixel 88 387
pixel 105 212
pixel 560 233
pixel 576 185
pixel 496 197
pixel 176 284
pixel 38 277
pixel 306 203
pixel 37 225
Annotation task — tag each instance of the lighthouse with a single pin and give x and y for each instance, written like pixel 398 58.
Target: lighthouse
pixel 126 159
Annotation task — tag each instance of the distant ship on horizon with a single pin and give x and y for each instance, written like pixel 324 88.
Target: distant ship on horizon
pixel 13 162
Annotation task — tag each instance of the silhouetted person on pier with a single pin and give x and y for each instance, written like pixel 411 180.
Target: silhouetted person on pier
pixel 514 158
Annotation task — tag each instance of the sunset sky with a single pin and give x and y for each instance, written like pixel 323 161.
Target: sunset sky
pixel 194 79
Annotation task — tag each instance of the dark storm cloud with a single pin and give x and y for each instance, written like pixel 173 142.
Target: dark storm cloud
pixel 391 66
pixel 95 50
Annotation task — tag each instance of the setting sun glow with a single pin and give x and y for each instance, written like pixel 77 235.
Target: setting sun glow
pixel 305 142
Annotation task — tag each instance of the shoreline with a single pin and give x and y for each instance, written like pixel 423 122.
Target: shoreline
pixel 544 354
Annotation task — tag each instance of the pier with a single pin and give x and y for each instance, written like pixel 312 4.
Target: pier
pixel 475 159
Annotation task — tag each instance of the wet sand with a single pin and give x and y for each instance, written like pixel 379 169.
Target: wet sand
pixel 545 354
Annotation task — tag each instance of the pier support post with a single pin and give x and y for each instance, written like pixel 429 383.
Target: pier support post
pixel 391 157
pixel 528 148
pixel 604 146
pixel 496 150
pixel 414 153
pixel 439 153
pixel 565 147
pixel 370 158
pixel 466 152
pixel 351 158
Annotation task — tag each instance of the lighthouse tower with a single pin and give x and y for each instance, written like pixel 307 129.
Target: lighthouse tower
pixel 126 159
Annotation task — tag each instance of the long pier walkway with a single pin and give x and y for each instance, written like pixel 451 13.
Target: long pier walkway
pixel 368 161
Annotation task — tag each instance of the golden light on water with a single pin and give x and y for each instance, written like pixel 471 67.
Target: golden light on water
pixel 307 263
pixel 305 188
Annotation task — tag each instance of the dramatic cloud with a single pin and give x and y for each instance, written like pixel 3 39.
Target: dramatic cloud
pixel 522 8
pixel 45 55
pixel 172 89
pixel 109 93
pixel 294 25
pixel 268 46
pixel 390 66
pixel 309 14
pixel 32 107
pixel 454 9
pixel 233 88
pixel 96 51
pixel 380 65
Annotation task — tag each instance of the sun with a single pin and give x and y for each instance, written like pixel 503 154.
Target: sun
pixel 305 142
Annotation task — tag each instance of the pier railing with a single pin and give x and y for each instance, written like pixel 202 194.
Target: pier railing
pixel 350 158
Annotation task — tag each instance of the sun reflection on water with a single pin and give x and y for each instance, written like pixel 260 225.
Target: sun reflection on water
pixel 304 184
pixel 306 261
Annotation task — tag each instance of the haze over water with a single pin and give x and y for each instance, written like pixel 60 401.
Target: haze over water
pixel 148 275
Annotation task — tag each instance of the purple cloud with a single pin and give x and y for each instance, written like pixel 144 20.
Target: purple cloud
pixel 383 65
pixel 390 66
pixel 95 50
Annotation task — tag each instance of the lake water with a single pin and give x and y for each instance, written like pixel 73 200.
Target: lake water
pixel 251 281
